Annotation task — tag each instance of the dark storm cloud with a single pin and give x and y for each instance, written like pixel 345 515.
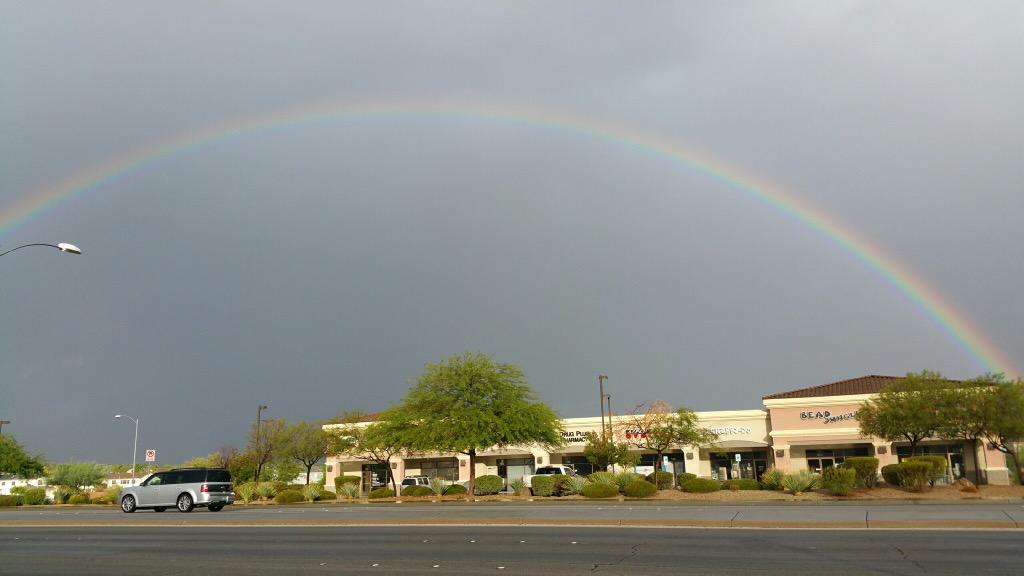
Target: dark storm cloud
pixel 318 266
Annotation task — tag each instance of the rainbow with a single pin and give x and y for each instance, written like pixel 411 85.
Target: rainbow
pixel 924 297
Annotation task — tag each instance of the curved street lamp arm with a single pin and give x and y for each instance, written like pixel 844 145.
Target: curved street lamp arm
pixel 69 248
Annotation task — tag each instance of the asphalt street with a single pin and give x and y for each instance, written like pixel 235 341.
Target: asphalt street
pixel 197 550
pixel 1007 514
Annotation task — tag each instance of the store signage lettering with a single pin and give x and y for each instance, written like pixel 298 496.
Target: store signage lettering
pixel 827 417
pixel 635 434
pixel 729 430
pixel 574 436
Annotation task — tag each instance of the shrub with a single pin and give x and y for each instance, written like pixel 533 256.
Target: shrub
pixel 914 474
pixel 891 474
pixel 839 481
pixel 684 477
pixel 289 497
pixel 247 491
pixel 604 478
pixel 407 490
pixel 115 492
pixel 327 495
pixel 965 485
pixel 865 470
pixel 312 492
pixel 938 464
pixel 349 490
pixel 438 485
pixel 61 495
pixel 640 489
pixel 35 496
pixel 455 490
pixel 518 486
pixel 701 485
pixel 545 485
pixel 103 499
pixel 18 489
pixel 800 482
pixel 266 490
pixel 79 499
pixel 341 480
pixel 600 490
pixel 771 479
pixel 381 493
pixel 741 484
pixel 663 480
pixel 11 500
pixel 625 478
pixel 488 484
pixel 574 485
pixel 417 491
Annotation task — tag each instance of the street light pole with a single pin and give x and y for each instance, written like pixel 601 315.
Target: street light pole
pixel 256 474
pixel 2 422
pixel 135 446
pixel 63 247
pixel 600 383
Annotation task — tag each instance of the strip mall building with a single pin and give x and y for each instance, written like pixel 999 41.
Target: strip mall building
pixel 805 429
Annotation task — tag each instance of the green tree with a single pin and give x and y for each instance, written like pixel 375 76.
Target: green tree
pixel 655 426
pixel 962 412
pixel 908 409
pixel 605 452
pixel 307 443
pixel 378 441
pixel 469 402
pixel 14 459
pixel 265 442
pixel 77 475
pixel 1001 418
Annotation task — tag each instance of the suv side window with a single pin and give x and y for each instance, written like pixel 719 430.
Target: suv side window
pixel 218 476
pixel 192 476
pixel 172 477
pixel 155 480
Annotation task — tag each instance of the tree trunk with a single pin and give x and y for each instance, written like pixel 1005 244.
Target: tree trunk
pixel 1016 463
pixel 308 468
pixel 394 484
pixel 472 471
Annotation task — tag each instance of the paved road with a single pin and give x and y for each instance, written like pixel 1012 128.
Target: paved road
pixel 254 551
pixel 931 515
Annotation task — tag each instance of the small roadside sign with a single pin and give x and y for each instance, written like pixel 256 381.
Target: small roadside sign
pixel 737 457
pixel 150 455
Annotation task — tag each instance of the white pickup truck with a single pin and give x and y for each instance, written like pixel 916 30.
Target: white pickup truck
pixel 548 471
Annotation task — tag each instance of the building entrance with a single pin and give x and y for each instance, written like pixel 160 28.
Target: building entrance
pixel 512 469
pixel 751 465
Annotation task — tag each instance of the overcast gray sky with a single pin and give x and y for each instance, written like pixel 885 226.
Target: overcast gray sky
pixel 317 266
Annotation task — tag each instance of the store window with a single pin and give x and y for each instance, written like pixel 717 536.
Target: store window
pixel 726 466
pixel 819 460
pixel 580 464
pixel 446 468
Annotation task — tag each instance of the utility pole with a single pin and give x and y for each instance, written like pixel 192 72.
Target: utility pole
pixel 611 430
pixel 256 474
pixel 2 422
pixel 600 384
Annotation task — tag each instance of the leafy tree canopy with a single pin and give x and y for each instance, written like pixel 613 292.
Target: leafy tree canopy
pixel 14 459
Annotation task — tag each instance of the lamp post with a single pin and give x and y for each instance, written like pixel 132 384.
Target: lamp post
pixel 135 447
pixel 600 384
pixel 2 422
pixel 259 410
pixel 63 247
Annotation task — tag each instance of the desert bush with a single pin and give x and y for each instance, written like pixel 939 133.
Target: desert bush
pixel 640 489
pixel 604 478
pixel 600 490
pixel 289 497
pixel 417 491
pixel 915 474
pixel 455 490
pixel 801 481
pixel 115 492
pixel 839 481
pixel 622 479
pixel 683 477
pixel 341 480
pixel 518 486
pixel 35 496
pixel 18 489
pixel 81 498
pixel 77 475
pixel 381 493
pixel 247 491
pixel 938 464
pixel 266 490
pixel 741 484
pixel 488 484
pixel 103 499
pixel 545 485
pixel 407 490
pixel 61 495
pixel 865 470
pixel 439 485
pixel 891 474
pixel 12 500
pixel 349 490
pixel 312 492
pixel 327 495
pixel 661 479
pixel 701 485
pixel 573 485
pixel 965 485
pixel 771 479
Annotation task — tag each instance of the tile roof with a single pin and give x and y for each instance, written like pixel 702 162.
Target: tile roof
pixel 871 384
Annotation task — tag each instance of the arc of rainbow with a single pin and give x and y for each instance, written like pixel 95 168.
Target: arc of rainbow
pixel 954 323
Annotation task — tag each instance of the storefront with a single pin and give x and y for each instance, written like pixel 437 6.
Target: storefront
pixel 742 448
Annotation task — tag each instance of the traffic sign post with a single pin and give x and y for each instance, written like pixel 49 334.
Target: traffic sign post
pixel 150 455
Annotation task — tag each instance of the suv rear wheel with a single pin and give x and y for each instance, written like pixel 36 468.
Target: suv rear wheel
pixel 185 503
pixel 128 504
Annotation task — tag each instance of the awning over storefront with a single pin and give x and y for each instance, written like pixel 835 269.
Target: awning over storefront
pixel 735 444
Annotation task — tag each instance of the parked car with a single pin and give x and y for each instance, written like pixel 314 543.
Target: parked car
pixel 416 481
pixel 183 488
